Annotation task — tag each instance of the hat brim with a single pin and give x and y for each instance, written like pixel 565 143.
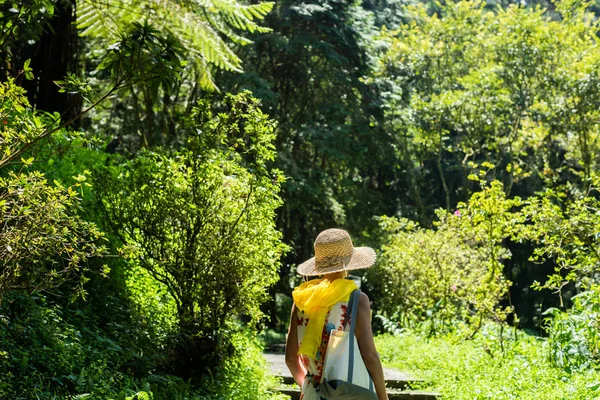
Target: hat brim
pixel 362 257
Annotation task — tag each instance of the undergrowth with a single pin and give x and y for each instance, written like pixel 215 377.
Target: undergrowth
pixel 49 351
pixel 485 367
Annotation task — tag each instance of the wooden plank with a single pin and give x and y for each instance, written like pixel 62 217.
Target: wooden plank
pixel 294 393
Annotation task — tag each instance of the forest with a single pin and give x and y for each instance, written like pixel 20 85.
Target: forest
pixel 165 165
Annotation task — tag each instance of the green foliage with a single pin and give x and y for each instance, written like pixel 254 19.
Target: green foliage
pixel 205 27
pixel 141 67
pixel 48 351
pixel 244 376
pixel 43 240
pixel 109 347
pixel 270 337
pixel 574 342
pixel 142 56
pixel 153 303
pixel 391 325
pixel 157 85
pixel 511 87
pixel 309 74
pixel 200 221
pixel 140 396
pixel 481 369
pixel 451 273
pixel 513 91
pixel 20 125
pixel 564 227
pixel 23 20
pixel 153 57
pixel 44 355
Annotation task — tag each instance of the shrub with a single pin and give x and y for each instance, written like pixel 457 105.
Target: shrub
pixel 43 355
pixel 48 351
pixel 43 239
pixel 563 225
pixel 244 376
pixel 574 336
pixel 201 221
pixel 452 272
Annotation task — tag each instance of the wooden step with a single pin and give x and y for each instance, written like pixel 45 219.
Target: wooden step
pixel 393 394
pixel 394 378
pixel 401 384
pixel 398 382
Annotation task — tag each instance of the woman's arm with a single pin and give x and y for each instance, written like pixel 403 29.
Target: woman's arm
pixel 364 337
pixel 291 350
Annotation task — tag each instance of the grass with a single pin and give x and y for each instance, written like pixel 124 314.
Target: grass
pixel 481 369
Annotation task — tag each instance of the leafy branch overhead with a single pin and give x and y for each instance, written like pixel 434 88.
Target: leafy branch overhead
pixel 206 28
pixel 140 56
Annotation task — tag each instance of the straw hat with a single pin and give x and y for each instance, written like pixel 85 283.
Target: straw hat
pixel 334 252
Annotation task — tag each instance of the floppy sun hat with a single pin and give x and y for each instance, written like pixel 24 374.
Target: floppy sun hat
pixel 334 252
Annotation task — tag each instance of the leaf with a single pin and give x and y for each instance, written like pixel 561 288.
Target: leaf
pixel 28 70
pixel 204 28
pixel 552 311
pixel 593 386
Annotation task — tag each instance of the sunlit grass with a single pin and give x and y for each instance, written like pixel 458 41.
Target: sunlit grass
pixel 481 369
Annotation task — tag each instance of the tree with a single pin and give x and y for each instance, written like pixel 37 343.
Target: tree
pixel 149 113
pixel 205 28
pixel 498 89
pixel 201 221
pixel 513 88
pixel 308 73
pixel 43 239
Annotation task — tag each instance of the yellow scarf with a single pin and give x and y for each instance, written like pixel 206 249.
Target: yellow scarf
pixel 316 298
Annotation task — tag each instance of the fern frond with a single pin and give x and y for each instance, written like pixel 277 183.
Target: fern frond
pixel 101 18
pixel 201 25
pixel 243 16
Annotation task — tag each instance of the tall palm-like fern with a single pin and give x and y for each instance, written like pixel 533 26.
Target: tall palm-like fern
pixel 207 28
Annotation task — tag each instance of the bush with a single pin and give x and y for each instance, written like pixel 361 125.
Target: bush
pixel 43 239
pixel 452 273
pixel 244 376
pixel 43 355
pixel 574 336
pixel 48 352
pixel 563 225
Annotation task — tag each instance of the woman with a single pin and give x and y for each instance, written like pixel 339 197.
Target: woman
pixel 320 307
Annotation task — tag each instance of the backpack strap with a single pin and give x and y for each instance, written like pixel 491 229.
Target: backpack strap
pixel 353 311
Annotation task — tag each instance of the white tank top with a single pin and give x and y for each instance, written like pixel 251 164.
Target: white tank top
pixel 335 320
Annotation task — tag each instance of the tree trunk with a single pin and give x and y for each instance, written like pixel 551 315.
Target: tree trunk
pixel 52 57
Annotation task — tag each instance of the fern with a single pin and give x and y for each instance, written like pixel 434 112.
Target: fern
pixel 207 28
pixel 391 326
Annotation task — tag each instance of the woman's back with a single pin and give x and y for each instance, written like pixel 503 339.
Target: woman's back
pixel 335 320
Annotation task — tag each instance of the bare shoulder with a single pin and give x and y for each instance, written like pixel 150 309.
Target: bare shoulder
pixel 363 322
pixel 364 300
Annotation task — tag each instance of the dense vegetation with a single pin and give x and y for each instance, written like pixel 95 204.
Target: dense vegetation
pixel 165 165
pixel 480 369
